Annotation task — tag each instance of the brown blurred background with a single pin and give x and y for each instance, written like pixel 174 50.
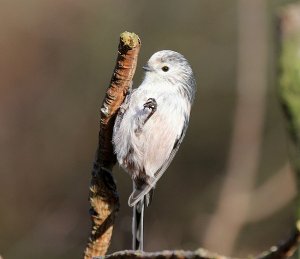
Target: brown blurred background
pixel 229 188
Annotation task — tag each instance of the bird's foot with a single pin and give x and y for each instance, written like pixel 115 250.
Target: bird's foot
pixel 152 105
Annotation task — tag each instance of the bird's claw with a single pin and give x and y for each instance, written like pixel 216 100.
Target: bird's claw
pixel 151 104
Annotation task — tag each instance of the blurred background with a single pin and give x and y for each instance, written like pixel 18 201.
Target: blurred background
pixel 230 188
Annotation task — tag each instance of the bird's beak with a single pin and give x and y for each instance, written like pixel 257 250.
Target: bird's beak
pixel 147 68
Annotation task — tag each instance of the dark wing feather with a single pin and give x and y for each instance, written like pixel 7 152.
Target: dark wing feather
pixel 122 110
pixel 138 194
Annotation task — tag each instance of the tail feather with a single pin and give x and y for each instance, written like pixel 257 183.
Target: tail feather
pixel 149 197
pixel 138 226
pixel 138 194
pixel 137 200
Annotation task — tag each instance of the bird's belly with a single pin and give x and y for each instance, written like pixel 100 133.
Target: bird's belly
pixel 146 151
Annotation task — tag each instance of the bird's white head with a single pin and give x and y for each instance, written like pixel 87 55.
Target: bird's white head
pixel 171 67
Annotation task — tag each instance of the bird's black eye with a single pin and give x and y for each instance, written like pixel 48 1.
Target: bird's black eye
pixel 165 68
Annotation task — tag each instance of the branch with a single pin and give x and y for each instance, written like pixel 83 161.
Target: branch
pixel 283 250
pixel 103 194
pixel 286 248
pixel 177 254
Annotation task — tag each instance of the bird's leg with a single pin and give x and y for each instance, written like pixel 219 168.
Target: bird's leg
pixel 150 107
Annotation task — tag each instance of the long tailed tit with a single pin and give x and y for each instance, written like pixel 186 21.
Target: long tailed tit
pixel 151 125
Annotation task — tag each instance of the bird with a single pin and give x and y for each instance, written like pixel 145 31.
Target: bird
pixel 150 126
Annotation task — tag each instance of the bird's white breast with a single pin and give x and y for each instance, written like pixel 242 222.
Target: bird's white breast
pixel 152 147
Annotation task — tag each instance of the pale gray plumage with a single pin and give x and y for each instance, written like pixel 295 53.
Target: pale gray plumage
pixel 153 120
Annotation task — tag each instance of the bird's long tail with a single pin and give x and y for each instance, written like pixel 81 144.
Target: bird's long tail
pixel 138 225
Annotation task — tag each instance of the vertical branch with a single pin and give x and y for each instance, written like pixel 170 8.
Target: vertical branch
pixel 103 194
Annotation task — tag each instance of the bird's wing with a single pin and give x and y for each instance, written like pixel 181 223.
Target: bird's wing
pixel 124 106
pixel 138 194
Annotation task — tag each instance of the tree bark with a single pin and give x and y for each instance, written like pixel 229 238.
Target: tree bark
pixel 103 194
